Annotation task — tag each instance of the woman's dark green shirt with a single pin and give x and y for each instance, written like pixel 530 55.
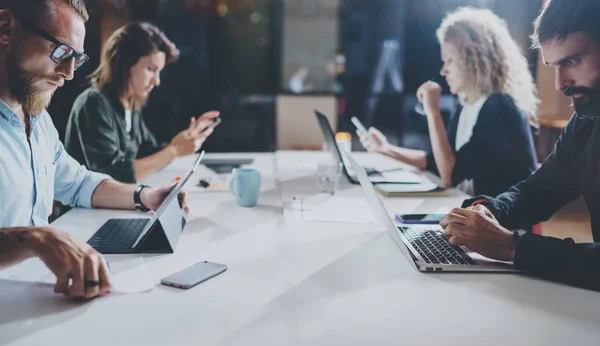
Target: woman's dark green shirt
pixel 97 136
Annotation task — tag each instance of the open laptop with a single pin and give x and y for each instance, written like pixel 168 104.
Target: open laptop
pixel 399 176
pixel 159 234
pixel 226 165
pixel 425 245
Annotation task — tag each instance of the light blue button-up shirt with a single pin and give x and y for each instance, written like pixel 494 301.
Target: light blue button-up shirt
pixel 31 178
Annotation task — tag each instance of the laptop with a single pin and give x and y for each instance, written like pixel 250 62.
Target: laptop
pixel 226 165
pixel 227 162
pixel 398 176
pixel 159 234
pixel 425 245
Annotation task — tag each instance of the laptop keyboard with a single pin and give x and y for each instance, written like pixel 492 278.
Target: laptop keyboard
pixel 117 234
pixel 434 247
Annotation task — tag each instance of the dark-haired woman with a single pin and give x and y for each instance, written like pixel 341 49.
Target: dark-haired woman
pixel 106 131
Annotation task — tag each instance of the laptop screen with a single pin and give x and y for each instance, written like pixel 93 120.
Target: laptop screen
pixel 170 197
pixel 178 187
pixel 376 205
pixel 332 145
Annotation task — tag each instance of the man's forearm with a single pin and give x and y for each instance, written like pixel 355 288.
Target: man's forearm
pixel 560 260
pixel 548 189
pixel 111 194
pixel 16 245
pixel 150 164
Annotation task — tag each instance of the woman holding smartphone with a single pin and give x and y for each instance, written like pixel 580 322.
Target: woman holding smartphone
pixel 106 131
pixel 488 145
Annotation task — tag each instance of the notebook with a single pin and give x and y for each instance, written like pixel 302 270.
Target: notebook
pixel 410 190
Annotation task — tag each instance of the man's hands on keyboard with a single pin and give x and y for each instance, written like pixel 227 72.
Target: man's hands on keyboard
pixel 480 233
pixel 81 272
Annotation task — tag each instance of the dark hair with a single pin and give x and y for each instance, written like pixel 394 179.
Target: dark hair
pixel 124 49
pixel 559 18
pixel 42 9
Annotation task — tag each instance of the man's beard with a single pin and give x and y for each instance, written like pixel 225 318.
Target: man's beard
pixel 20 83
pixel 588 106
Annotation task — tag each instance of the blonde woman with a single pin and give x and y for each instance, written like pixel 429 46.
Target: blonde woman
pixel 488 145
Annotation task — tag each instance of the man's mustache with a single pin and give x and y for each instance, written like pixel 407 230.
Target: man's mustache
pixel 571 90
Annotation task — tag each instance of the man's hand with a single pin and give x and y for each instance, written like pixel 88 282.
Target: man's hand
pixel 81 271
pixel 153 197
pixel 374 141
pixel 429 93
pixel 479 233
pixel 482 209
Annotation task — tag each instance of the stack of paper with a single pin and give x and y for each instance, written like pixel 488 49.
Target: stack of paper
pixel 327 208
pixel 423 189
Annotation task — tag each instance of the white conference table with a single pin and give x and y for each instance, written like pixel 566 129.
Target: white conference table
pixel 293 282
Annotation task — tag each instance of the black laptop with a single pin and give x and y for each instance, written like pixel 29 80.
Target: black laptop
pixel 226 165
pixel 396 176
pixel 159 234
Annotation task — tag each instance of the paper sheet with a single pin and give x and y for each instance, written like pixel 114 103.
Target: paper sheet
pixel 327 208
pixel 128 275
pixel 398 175
pixel 31 270
pixel 131 275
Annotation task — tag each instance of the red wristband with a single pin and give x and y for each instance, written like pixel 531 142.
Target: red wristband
pixel 481 201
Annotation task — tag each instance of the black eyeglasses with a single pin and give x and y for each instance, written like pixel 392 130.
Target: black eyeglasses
pixel 62 53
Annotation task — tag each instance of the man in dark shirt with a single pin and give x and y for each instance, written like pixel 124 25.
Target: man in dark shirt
pixel 568 34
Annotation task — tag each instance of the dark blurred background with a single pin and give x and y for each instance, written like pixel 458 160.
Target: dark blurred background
pixel 239 55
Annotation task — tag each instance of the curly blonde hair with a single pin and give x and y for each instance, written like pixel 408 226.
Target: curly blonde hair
pixel 491 60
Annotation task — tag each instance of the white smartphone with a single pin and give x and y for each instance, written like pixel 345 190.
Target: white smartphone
pixel 194 274
pixel 359 125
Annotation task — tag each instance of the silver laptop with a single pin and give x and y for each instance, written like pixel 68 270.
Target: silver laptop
pixel 425 245
pixel 396 176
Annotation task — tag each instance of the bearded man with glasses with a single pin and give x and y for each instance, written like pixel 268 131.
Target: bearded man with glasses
pixel 41 46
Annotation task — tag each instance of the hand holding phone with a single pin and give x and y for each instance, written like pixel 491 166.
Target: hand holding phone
pixel 194 274
pixel 216 121
pixel 419 218
pixel 359 125
pixel 204 122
